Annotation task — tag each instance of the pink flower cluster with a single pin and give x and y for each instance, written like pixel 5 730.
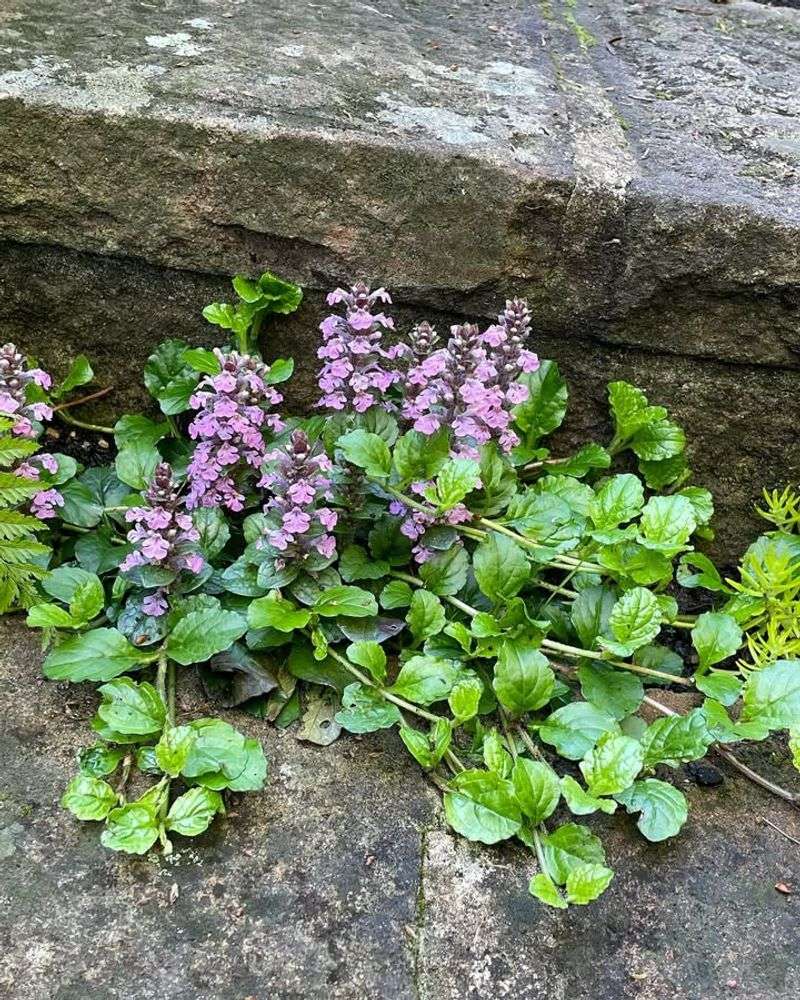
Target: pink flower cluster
pixel 471 384
pixel 15 377
pixel 45 503
pixel 416 522
pixel 297 477
pixel 354 375
pixel 164 535
pixel 229 429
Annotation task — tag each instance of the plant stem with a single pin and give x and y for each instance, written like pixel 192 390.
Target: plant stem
pixel 510 742
pixel 531 747
pixel 537 843
pixel 559 647
pixel 568 561
pixel 726 755
pixel 635 668
pixel 83 399
pixel 83 424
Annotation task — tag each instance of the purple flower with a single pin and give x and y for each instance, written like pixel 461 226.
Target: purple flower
pixel 229 429
pixel 471 385
pixel 416 522
pixel 164 535
pixel 45 502
pixel 297 479
pixel 354 374
pixel 15 377
pixel 155 604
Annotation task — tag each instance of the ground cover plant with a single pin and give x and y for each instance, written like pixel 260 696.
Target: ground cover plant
pixel 412 557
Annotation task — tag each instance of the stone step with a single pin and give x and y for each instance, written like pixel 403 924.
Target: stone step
pixel 631 168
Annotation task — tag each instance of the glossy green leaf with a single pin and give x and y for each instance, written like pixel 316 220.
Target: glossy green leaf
pixel 617 692
pixel 350 602
pixel 131 708
pixel 98 655
pixel 715 637
pixel 367 451
pixel 662 808
pixel 482 806
pixel 635 620
pixel 191 813
pixel 523 679
pixel 132 828
pixel 581 802
pixel 536 788
pixel 199 635
pixel 369 655
pixel 364 710
pixel 426 615
pixel 88 797
pixel 612 764
pixel 425 679
pixel 772 696
pixel 574 729
pixel 501 567
pixel 676 739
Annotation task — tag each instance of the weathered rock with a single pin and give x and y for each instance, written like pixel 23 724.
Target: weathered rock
pixel 630 167
pixel 340 881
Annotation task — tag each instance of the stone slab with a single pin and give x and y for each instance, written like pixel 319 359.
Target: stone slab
pixel 340 882
pixel 631 168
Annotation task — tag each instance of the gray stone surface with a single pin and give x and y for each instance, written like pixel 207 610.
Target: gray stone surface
pixel 632 168
pixel 339 882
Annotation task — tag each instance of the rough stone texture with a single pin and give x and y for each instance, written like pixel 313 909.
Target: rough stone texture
pixel 340 881
pixel 630 167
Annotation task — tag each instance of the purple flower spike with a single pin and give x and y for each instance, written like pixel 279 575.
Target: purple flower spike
pixel 353 375
pixel 229 428
pixel 471 385
pixel 163 535
pixel 298 479
pixel 15 377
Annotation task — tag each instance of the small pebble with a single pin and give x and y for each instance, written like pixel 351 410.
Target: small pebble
pixel 705 774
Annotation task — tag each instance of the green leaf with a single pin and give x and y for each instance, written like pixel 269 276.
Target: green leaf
pixel 523 680
pixel 676 739
pixel 96 553
pixel 132 428
pixel 721 685
pixel 369 655
pixel 590 613
pixel 545 890
pixel 100 759
pixel 168 378
pixel 635 620
pixel 65 582
pixel 367 451
pixel 659 440
pixel 465 698
pixel 365 711
pixel 355 564
pixel 419 457
pixel 702 502
pixel 574 729
pixel 544 409
pixel 617 692
pixel 708 576
pixel 456 478
pixel 618 499
pixel 221 314
pixel 191 813
pixel 612 765
pixel 202 360
pixel 590 456
pixel 201 634
pixel 426 615
pixel 663 808
pixel 80 373
pixel 216 748
pixel 136 463
pixel 88 600
pixel 131 708
pixel 586 882
pixel 425 679
pixel 351 602
pixel 86 498
pixel 715 637
pixel 132 828
pixel 50 616
pixel 630 409
pixel 631 561
pixel 396 594
pixel 427 749
pixel 569 847
pixel 213 529
pixel 772 696
pixel 536 788
pixel 580 802
pixel 172 750
pixel 89 798
pixel 98 655
pixel 274 611
pixel 445 573
pixel 501 567
pixel 280 370
pixel 667 523
pixel 482 806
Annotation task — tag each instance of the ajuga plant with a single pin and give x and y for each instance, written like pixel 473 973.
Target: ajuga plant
pixel 412 557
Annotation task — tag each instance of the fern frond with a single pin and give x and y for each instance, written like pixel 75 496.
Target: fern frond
pixel 14 525
pixel 21 550
pixel 13 449
pixel 15 490
pixel 17 587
